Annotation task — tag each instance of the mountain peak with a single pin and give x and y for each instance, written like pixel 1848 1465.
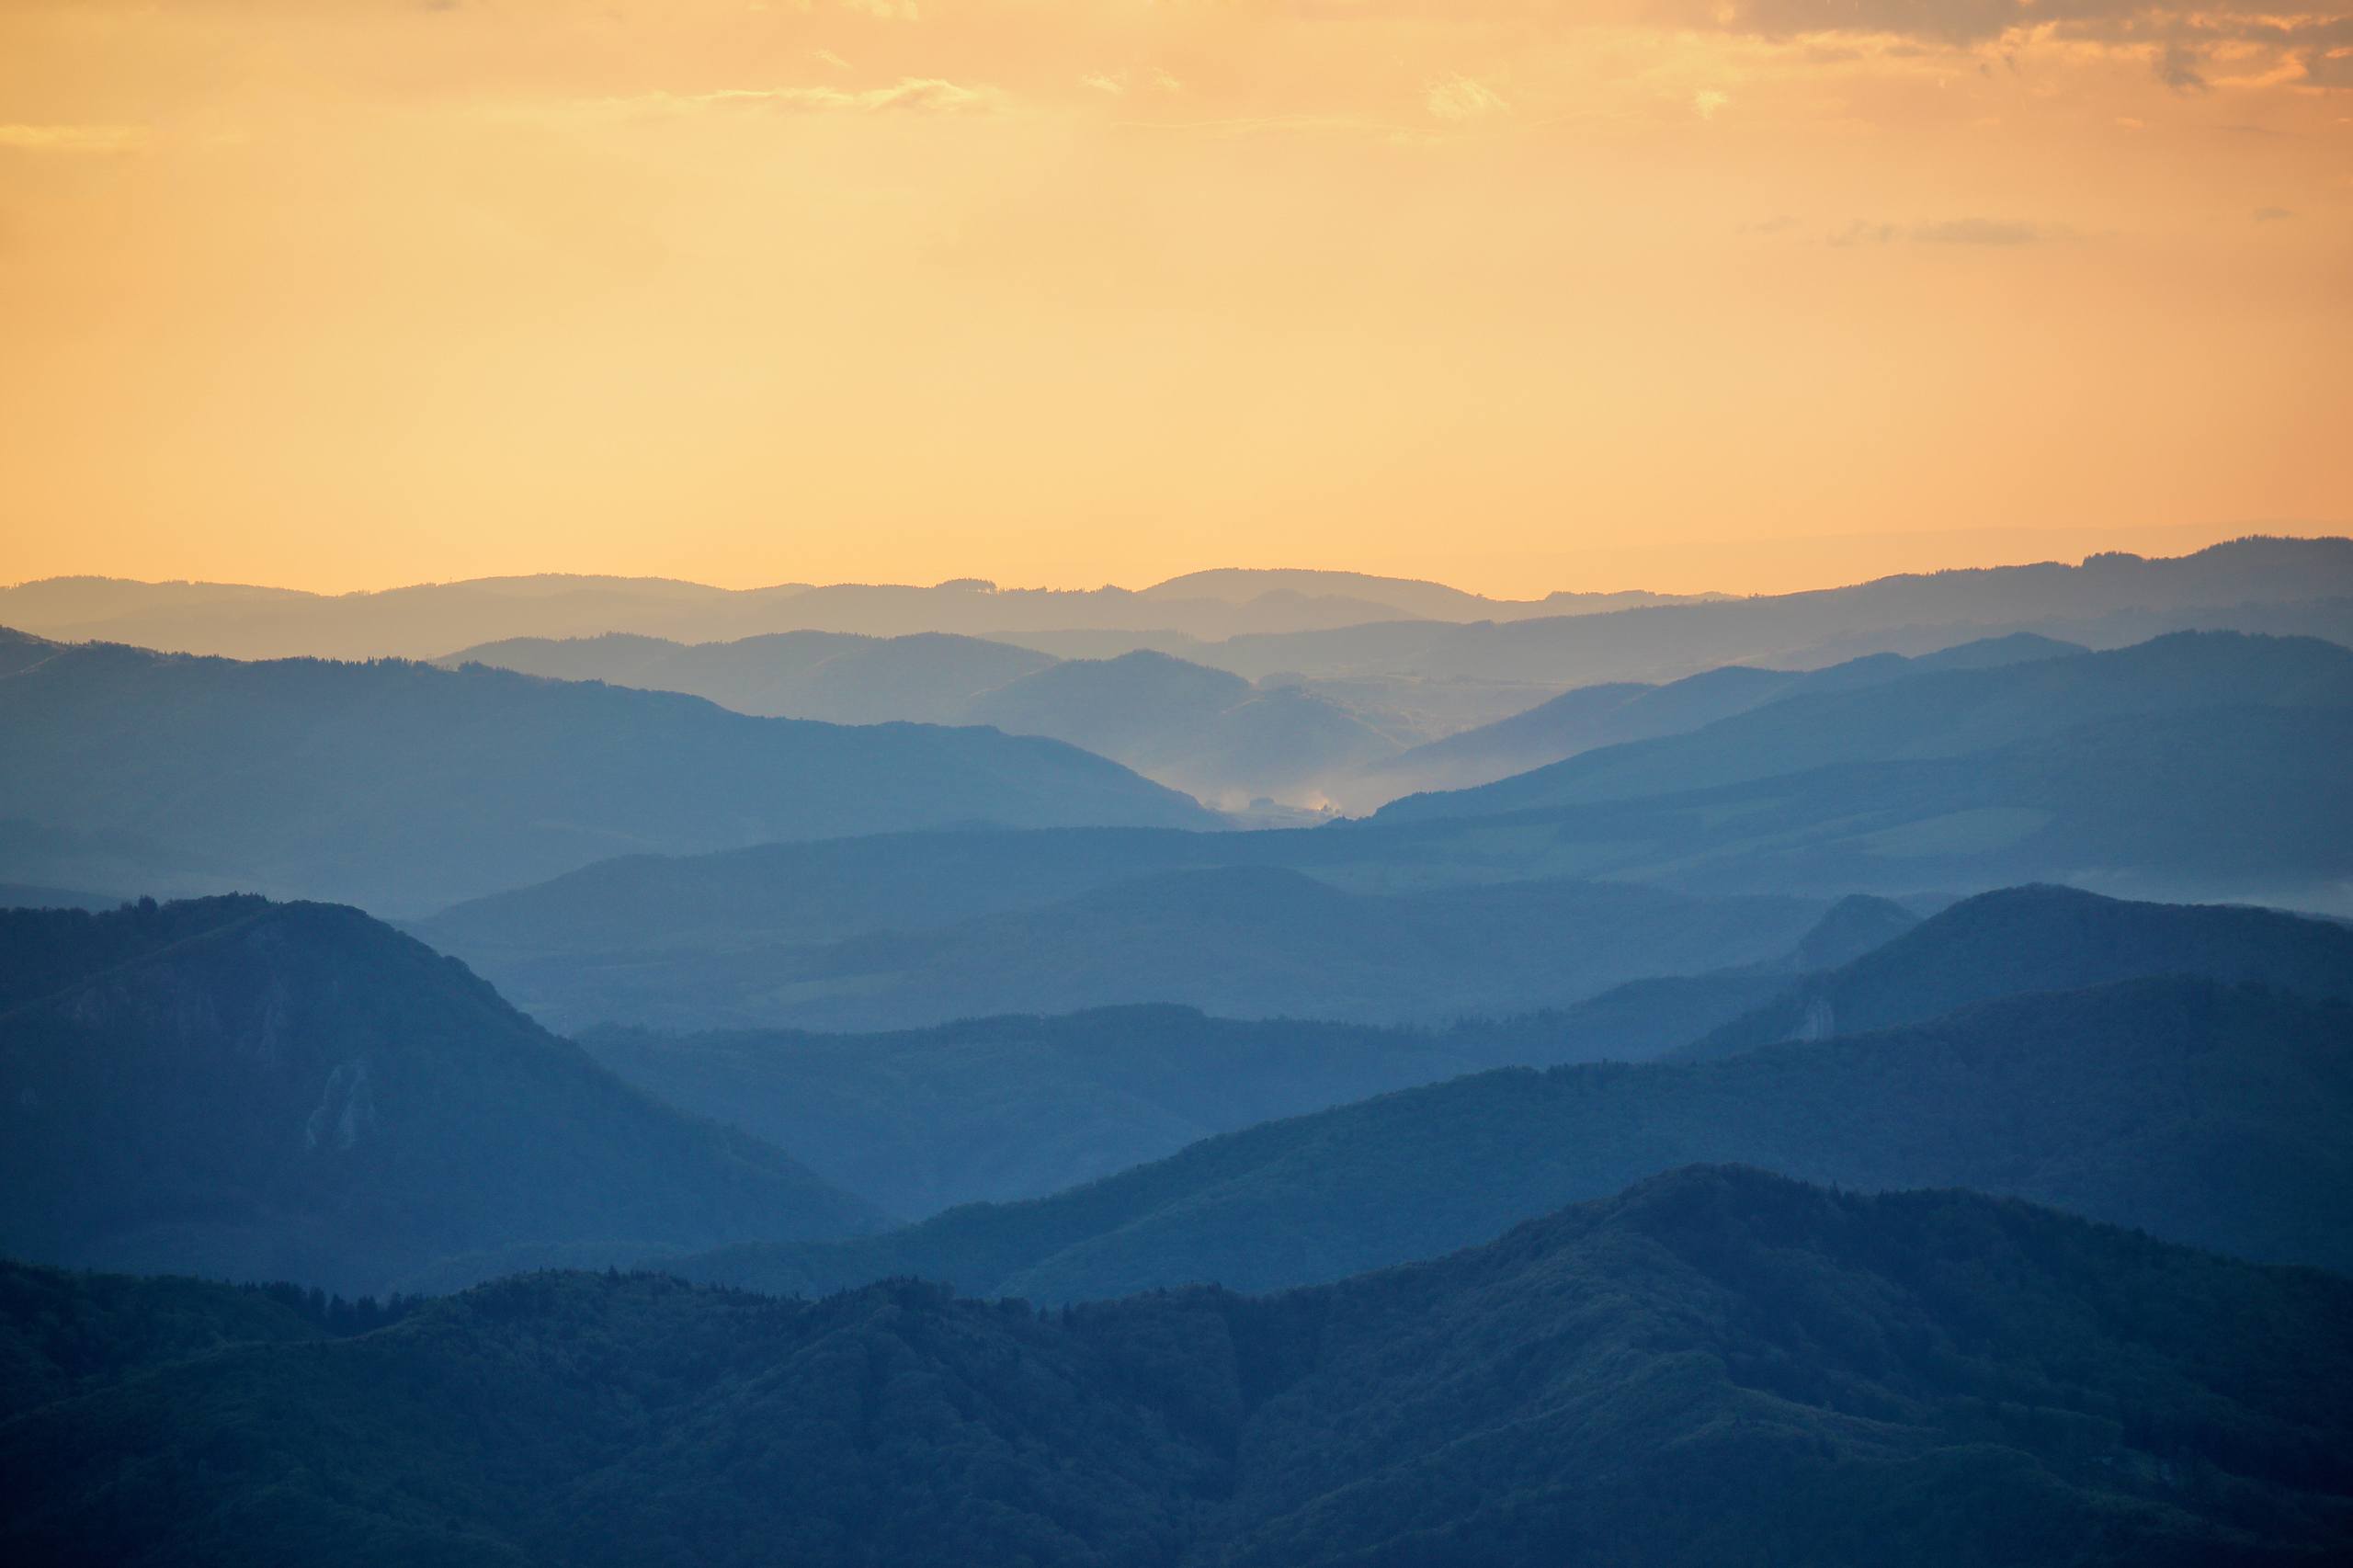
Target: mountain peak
pixel 1854 925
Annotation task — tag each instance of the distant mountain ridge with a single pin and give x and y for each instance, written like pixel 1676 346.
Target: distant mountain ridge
pixel 238 1088
pixel 1014 1107
pixel 1008 1107
pixel 2219 777
pixel 925 678
pixel 1931 715
pixel 426 621
pixel 1202 730
pixel 404 787
pixel 1714 1360
pixel 2202 765
pixel 2283 587
pixel 1588 718
pixel 1239 941
pixel 1332 630
pixel 1205 731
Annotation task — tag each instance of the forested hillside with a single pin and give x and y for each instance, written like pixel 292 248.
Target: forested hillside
pixel 1717 1361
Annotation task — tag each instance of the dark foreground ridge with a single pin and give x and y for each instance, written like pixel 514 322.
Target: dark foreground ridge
pixel 1717 1366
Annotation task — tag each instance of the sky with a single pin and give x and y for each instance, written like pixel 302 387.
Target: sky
pixel 1684 294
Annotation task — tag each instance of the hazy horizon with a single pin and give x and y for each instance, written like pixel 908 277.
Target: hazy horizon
pixel 1498 292
pixel 1887 555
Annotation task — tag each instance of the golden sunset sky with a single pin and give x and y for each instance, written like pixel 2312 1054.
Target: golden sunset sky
pixel 1518 295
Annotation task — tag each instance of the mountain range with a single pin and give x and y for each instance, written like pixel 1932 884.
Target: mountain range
pixel 1716 1366
pixel 2197 762
pixel 1834 1078
pixel 403 787
pixel 2198 765
pixel 1019 1107
pixel 1205 731
pixel 1259 624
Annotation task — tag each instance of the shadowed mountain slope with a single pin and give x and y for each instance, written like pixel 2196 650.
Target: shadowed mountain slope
pixel 1715 1360
pixel 1935 715
pixel 1014 1107
pixel 2201 1113
pixel 238 1088
pixel 1000 1108
pixel 2195 766
pixel 2044 938
pixel 1595 716
pixel 992 1110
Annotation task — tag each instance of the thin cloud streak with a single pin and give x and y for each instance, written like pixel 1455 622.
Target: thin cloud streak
pixel 73 137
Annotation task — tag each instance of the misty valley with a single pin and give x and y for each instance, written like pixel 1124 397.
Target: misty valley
pixel 1284 1068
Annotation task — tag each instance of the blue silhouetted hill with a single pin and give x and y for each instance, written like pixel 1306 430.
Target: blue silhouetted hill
pixel 242 1090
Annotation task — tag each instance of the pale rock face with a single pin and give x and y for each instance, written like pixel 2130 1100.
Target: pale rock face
pixel 1821 1021
pixel 345 1112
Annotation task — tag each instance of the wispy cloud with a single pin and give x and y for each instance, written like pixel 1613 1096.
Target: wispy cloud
pixel 2177 68
pixel 1986 232
pixel 910 95
pixel 2180 40
pixel 1859 232
pixel 1463 98
pixel 1990 231
pixel 73 137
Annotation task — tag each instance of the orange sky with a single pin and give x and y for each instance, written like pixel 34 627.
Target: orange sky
pixel 1515 294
